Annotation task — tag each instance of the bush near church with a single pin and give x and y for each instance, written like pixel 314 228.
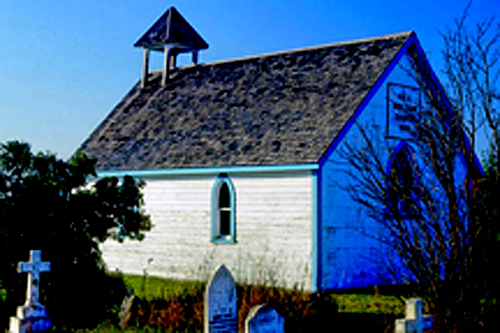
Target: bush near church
pixel 47 204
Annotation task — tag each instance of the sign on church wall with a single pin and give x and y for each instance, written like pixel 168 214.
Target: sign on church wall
pixel 403 106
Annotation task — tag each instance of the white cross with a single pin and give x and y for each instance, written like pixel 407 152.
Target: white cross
pixel 34 267
pixel 414 320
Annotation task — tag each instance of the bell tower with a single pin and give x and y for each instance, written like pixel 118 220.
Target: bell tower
pixel 171 35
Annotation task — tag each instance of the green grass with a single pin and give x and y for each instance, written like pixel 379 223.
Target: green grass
pixel 362 303
pixel 364 309
pixel 3 292
pixel 157 288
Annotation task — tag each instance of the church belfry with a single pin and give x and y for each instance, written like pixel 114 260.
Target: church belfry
pixel 171 35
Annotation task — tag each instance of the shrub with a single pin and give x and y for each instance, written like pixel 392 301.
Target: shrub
pixel 47 204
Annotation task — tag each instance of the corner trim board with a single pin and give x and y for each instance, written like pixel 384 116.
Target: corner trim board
pixel 316 234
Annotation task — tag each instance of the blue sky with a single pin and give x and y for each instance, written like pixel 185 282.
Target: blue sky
pixel 65 64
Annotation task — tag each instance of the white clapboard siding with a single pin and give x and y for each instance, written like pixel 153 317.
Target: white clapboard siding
pixel 273 227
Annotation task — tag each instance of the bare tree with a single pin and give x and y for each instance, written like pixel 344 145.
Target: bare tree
pixel 442 236
pixel 472 70
pixel 420 196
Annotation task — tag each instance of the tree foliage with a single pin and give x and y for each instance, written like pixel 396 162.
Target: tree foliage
pixel 48 204
pixel 485 230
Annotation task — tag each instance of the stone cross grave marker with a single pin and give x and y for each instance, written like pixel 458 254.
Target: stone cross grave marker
pixel 264 319
pixel 221 311
pixel 414 320
pixel 32 316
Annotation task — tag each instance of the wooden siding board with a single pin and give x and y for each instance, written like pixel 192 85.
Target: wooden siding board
pixel 273 228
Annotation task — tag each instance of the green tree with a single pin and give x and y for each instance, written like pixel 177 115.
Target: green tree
pixel 48 204
pixel 485 244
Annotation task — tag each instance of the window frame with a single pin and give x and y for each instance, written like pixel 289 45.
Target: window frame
pixel 216 235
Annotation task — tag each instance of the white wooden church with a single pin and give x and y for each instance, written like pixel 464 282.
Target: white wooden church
pixel 241 157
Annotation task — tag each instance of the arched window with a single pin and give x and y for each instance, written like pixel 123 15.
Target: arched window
pixel 223 211
pixel 403 183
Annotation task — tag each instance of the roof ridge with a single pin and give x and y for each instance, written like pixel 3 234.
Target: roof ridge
pixel 307 48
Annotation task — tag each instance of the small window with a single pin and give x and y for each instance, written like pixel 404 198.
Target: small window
pixel 223 211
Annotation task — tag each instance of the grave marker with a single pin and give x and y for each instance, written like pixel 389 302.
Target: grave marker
pixel 264 319
pixel 414 320
pixel 32 316
pixel 221 311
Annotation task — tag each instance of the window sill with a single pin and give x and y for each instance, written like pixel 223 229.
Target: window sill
pixel 223 240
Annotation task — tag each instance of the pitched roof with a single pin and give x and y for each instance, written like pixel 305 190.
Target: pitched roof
pixel 171 28
pixel 282 108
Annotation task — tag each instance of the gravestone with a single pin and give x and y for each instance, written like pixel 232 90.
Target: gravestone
pixel 32 316
pixel 221 311
pixel 414 320
pixel 264 319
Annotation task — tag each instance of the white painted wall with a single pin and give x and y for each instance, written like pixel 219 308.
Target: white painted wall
pixel 273 226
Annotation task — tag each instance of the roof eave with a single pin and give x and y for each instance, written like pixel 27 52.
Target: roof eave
pixel 204 171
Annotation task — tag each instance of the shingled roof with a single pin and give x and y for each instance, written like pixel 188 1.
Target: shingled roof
pixel 277 109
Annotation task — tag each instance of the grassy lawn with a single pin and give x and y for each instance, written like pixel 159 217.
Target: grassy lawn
pixel 359 303
pixel 358 310
pixel 156 288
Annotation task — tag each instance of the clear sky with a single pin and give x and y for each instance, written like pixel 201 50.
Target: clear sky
pixel 65 64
